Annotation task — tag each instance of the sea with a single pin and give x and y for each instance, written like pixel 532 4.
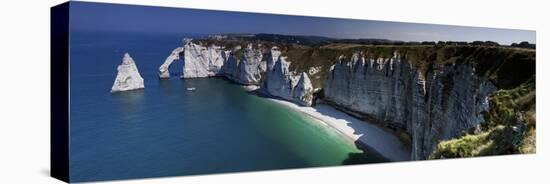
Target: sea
pixel 167 130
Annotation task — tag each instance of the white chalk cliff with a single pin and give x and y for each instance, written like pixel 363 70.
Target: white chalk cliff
pixel 303 91
pixel 284 84
pixel 279 82
pixel 450 100
pixel 201 61
pixel 128 77
pixel 425 99
pixel 251 69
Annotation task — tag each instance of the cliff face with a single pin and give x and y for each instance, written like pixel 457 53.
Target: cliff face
pixel 201 61
pixel 251 67
pixel 451 100
pixel 303 91
pixel 282 83
pixel 434 94
pixel 128 77
pixel 246 66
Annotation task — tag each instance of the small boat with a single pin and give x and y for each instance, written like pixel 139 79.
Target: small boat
pixel 190 89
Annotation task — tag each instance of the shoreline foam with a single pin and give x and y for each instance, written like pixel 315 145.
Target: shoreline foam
pixel 354 129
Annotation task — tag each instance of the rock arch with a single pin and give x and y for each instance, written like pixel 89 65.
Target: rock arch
pixel 164 73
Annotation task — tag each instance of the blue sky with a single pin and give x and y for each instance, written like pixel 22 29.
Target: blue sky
pixel 124 18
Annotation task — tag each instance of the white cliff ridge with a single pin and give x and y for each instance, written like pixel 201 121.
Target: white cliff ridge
pixel 128 77
pixel 451 99
pixel 424 100
pixel 251 69
pixel 201 61
pixel 284 84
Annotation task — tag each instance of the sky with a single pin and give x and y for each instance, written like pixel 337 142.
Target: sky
pixel 129 18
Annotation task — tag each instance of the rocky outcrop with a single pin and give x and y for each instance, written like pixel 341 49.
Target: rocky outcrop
pixel 251 67
pixel 303 91
pixel 270 71
pixel 284 84
pixel 231 65
pixel 449 101
pixel 279 81
pixel 128 77
pixel 201 61
pixel 163 69
pixel 272 57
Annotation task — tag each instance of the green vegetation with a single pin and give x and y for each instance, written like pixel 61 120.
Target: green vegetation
pixel 510 128
pixel 499 64
pixel 466 146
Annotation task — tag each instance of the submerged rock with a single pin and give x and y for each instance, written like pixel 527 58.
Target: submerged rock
pixel 128 77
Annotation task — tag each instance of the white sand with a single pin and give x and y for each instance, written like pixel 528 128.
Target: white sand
pixel 354 129
pixel 250 87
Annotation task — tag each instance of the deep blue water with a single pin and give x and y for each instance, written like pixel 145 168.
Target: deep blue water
pixel 165 130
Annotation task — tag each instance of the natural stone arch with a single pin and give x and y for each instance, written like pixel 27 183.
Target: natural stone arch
pixel 163 69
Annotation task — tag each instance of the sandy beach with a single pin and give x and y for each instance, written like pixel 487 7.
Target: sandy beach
pixel 354 129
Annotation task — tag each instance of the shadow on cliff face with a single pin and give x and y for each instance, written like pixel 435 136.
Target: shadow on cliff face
pixel 368 156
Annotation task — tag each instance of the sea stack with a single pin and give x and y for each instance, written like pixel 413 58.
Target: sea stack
pixel 128 77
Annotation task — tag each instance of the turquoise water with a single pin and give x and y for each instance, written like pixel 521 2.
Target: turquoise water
pixel 165 130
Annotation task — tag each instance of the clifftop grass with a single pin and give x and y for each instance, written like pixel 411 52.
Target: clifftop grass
pixel 510 127
pixel 505 67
